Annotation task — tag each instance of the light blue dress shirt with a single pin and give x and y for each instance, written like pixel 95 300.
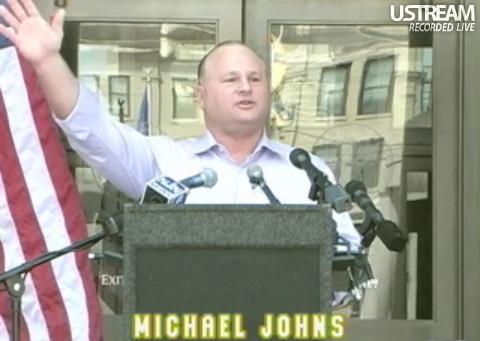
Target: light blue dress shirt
pixel 129 159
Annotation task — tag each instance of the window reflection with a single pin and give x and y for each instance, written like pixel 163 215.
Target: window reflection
pixel 366 160
pixel 377 86
pixel 160 56
pixel 184 103
pixel 332 92
pixel 426 74
pixel 331 154
pixel 360 97
pixel 119 96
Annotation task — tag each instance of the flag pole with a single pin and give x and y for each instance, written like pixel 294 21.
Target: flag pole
pixel 148 80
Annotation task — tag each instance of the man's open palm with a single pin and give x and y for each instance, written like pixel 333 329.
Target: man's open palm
pixel 35 38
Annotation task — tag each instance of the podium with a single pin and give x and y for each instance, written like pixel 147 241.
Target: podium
pixel 213 259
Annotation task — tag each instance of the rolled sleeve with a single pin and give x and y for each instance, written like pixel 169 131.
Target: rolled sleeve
pixel 117 152
pixel 86 110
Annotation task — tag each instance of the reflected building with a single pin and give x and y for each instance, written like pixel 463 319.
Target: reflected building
pixel 360 97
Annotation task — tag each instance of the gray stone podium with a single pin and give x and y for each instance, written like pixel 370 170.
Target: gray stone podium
pixel 248 259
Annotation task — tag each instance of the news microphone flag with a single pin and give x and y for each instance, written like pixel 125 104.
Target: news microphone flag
pixel 164 190
pixel 40 211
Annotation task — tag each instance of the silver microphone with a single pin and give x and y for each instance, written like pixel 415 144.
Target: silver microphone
pixel 206 178
pixel 255 175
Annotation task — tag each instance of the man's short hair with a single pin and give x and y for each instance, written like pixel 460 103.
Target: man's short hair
pixel 201 64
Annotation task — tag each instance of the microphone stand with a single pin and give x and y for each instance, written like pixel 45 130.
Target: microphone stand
pixel 360 272
pixel 267 191
pixel 14 279
pixel 368 231
pixel 316 192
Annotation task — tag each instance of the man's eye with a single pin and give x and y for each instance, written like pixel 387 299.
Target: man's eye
pixel 229 80
pixel 255 79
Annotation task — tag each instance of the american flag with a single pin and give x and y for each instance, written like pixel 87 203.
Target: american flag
pixel 40 211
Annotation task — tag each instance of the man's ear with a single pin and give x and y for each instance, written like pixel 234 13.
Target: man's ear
pixel 200 95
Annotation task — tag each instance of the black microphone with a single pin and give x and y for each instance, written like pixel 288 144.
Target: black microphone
pixel 388 232
pixel 112 226
pixel 255 175
pixel 206 178
pixel 335 195
pixel 301 159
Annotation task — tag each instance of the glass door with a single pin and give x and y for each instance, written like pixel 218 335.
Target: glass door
pixel 141 59
pixel 375 101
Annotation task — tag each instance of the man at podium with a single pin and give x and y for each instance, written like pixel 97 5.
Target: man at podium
pixel 233 92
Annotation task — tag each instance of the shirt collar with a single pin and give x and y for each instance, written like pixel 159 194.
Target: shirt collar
pixel 269 144
pixel 203 143
pixel 207 141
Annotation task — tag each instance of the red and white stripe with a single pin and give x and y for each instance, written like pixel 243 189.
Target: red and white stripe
pixel 40 211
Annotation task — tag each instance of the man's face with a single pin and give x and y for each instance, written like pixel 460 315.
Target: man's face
pixel 234 91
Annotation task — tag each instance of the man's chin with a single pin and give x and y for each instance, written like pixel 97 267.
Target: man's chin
pixel 249 116
pixel 252 123
pixel 244 127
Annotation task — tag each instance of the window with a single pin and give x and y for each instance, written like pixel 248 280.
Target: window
pixel 184 105
pixel 426 90
pixel 333 90
pixel 119 96
pixel 331 155
pixel 377 87
pixel 366 161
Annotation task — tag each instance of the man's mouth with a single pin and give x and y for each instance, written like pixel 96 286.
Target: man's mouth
pixel 245 104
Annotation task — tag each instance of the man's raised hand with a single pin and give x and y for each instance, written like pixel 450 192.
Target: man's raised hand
pixel 35 38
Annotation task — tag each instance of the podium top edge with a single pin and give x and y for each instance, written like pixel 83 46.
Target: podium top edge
pixel 132 207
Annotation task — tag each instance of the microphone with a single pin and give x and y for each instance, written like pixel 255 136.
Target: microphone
pixel 301 159
pixel 110 225
pixel 255 175
pixel 388 232
pixel 335 195
pixel 206 178
pixel 164 190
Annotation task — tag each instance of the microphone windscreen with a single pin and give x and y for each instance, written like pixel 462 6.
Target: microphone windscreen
pixel 353 186
pixel 210 177
pixel 299 158
pixel 255 173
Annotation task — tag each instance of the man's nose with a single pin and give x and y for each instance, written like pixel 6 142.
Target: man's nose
pixel 245 85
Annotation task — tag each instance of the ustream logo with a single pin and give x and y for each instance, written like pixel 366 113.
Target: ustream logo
pixel 437 18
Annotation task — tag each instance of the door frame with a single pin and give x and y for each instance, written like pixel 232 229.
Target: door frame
pixel 471 184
